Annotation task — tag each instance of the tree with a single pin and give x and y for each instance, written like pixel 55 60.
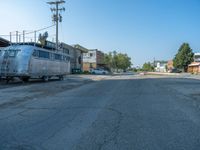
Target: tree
pixel 117 61
pixel 108 60
pixel 123 61
pixel 183 57
pixel 147 67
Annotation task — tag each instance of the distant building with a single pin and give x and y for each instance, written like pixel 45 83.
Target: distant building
pixel 196 57
pixel 161 66
pixel 76 55
pixel 170 65
pixel 93 59
pixel 194 67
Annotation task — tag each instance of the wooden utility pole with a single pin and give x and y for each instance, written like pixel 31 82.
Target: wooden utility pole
pixel 57 16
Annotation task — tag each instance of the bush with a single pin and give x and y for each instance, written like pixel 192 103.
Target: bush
pixel 86 72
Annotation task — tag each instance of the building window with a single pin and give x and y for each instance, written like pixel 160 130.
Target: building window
pixel 91 66
pixel 79 59
pixel 91 54
pixel 66 51
pixel 66 58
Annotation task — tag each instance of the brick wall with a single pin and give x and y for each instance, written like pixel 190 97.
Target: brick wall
pixel 87 66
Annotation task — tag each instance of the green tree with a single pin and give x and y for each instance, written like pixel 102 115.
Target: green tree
pixel 108 60
pixel 117 61
pixel 184 57
pixel 147 67
pixel 123 61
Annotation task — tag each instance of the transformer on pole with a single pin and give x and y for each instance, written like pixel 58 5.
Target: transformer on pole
pixel 56 15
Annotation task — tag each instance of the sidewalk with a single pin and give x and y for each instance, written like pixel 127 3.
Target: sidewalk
pixel 191 76
pixel 88 77
pixel 161 73
pixel 177 75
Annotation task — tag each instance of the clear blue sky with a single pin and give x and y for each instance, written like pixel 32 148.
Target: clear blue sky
pixel 143 29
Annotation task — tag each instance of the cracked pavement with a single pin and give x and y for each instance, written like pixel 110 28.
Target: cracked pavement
pixel 121 112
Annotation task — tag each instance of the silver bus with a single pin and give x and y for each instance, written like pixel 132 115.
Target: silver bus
pixel 27 61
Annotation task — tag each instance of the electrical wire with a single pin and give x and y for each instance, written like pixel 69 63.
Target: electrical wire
pixel 30 31
pixel 41 29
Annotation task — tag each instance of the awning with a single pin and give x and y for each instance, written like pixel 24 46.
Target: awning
pixel 4 42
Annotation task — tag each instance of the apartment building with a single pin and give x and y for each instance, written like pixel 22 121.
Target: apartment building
pixel 94 58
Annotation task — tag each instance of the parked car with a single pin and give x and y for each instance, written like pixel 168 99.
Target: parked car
pixel 98 71
pixel 175 71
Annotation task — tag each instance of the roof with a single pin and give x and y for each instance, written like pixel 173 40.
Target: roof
pixel 96 50
pixel 194 64
pixel 4 42
pixel 81 48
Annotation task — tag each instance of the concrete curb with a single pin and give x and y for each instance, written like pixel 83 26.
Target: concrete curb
pixel 162 73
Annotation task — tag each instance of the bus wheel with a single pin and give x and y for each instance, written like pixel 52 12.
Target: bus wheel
pixel 25 79
pixel 61 78
pixel 7 80
pixel 45 78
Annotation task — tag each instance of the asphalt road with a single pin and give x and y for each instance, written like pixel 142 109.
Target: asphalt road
pixel 120 113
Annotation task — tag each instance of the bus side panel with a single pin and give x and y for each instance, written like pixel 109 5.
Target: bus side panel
pixel 38 67
pixel 42 67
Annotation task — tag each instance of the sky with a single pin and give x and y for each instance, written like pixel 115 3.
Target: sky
pixel 144 29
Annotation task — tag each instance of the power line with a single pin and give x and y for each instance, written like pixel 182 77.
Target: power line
pixel 31 32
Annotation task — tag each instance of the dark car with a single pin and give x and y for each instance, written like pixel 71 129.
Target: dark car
pixel 175 71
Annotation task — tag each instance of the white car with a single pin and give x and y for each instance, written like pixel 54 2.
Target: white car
pixel 98 71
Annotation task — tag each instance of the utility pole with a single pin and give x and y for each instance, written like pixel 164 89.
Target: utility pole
pixel 56 15
pixel 154 63
pixel 23 36
pixel 17 37
pixel 10 37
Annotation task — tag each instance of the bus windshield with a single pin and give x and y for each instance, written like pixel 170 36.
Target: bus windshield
pixel 11 52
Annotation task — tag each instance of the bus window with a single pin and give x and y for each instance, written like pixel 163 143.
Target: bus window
pixel 43 54
pixel 11 53
pixel 35 53
pixel 57 56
